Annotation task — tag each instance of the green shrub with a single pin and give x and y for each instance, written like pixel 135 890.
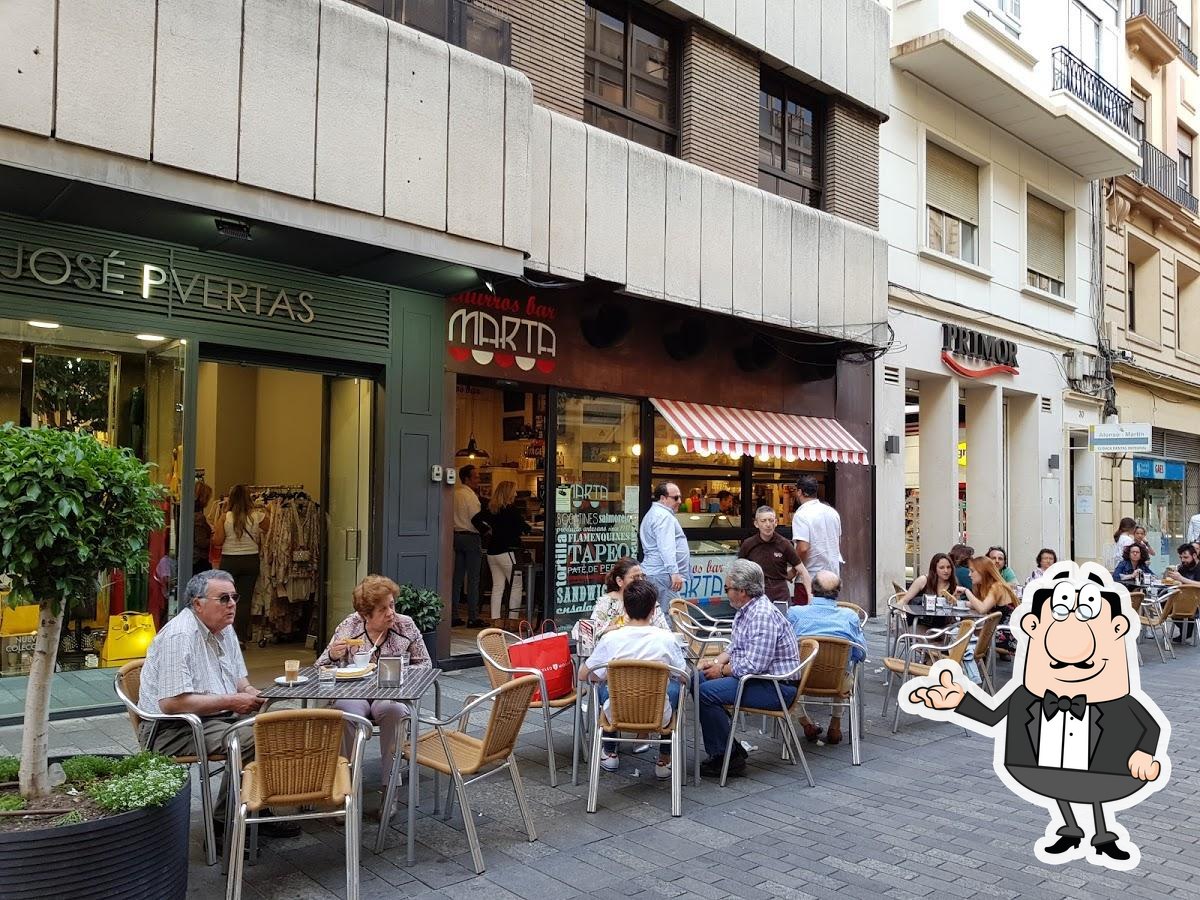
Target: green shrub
pixel 11 802
pixel 144 780
pixel 85 769
pixel 10 767
pixel 422 605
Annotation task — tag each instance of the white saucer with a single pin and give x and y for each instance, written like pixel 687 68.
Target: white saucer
pixel 282 679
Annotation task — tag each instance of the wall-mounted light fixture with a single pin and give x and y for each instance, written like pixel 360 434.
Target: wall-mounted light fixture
pixel 1053 461
pixel 891 443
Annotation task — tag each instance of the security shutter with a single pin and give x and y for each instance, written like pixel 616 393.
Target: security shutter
pixel 1046 229
pixel 951 183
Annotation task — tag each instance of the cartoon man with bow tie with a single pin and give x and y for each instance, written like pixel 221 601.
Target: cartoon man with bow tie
pixel 1078 728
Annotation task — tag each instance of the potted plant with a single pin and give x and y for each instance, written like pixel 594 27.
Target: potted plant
pixel 424 607
pixel 70 509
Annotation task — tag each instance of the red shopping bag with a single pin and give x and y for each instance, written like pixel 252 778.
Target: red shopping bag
pixel 549 653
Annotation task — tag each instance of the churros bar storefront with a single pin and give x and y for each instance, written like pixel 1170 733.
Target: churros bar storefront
pixel 584 399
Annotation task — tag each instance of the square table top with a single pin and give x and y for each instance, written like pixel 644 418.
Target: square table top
pixel 417 680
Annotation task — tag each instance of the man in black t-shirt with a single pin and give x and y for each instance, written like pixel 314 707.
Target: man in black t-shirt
pixel 775 554
pixel 1187 572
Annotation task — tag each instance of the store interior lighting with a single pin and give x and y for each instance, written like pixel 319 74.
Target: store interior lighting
pixel 672 449
pixel 636 449
pixel 38 323
pixel 151 338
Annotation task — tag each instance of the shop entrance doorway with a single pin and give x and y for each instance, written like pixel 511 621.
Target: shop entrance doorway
pixel 296 444
pixel 500 433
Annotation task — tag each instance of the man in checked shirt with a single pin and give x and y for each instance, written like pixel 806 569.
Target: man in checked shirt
pixel 762 644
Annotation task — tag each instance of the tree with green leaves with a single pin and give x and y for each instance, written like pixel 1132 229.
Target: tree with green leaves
pixel 70 510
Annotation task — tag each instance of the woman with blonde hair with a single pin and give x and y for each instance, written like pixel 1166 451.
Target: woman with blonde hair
pixel 504 540
pixel 240 532
pixel 376 628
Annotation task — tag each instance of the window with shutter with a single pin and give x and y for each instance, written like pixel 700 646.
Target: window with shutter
pixel 1045 239
pixel 952 184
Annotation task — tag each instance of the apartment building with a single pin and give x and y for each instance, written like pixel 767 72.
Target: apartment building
pixel 346 249
pixel 1152 285
pixel 1005 117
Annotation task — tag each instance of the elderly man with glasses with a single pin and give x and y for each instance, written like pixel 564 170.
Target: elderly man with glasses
pixel 666 558
pixel 762 643
pixel 195 665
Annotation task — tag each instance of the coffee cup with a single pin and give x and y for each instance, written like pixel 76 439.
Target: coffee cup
pixel 362 660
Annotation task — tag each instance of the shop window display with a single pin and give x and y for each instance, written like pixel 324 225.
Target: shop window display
pixel 127 390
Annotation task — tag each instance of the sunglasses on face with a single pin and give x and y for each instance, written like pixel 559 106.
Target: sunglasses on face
pixel 227 598
pixel 674 496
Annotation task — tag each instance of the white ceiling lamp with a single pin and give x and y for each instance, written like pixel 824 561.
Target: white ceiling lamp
pixel 37 323
pixel 151 338
pixel 672 449
pixel 26 360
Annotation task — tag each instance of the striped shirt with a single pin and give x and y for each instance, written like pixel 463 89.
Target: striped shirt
pixel 186 658
pixel 762 642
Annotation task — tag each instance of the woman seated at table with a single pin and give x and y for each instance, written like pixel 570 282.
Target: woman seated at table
pixel 376 628
pixel 609 612
pixel 1134 566
pixel 938 581
pixel 990 593
pixel 1045 559
pixel 638 639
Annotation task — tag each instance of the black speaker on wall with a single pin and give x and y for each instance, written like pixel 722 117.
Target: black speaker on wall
pixel 755 355
pixel 684 338
pixel 606 325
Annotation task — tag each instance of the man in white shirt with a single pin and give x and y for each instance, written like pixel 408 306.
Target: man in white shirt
pixel 1193 533
pixel 195 665
pixel 638 639
pixel 666 558
pixel 468 543
pixel 817 531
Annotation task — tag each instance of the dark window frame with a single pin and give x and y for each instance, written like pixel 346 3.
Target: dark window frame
pixel 634 14
pixel 788 91
pixel 1130 296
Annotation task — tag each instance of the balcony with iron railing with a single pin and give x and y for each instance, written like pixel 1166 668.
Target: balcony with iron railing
pixel 1073 75
pixel 453 21
pixel 1161 173
pixel 1154 29
pixel 1046 98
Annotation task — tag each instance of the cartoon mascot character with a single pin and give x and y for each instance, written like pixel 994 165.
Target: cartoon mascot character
pixel 1073 725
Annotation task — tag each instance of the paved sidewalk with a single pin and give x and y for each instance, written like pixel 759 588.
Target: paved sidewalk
pixel 924 816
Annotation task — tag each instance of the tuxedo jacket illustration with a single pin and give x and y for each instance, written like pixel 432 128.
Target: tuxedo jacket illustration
pixel 1116 729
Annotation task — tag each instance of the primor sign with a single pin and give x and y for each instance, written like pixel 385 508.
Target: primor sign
pixel 489 329
pixel 960 343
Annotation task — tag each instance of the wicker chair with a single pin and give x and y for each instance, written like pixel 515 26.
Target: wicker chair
pixel 808 651
pixel 1154 618
pixel 957 638
pixel 297 762
pixel 832 680
pixel 856 609
pixel 636 691
pixel 703 638
pixel 456 753
pixel 1187 603
pixel 696 612
pixel 493 644
pixel 897 621
pixel 128 685
pixel 983 646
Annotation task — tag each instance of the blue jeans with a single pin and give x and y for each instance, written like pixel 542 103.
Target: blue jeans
pixel 715 695
pixel 672 695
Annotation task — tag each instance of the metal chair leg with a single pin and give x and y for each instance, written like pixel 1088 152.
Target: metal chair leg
pixel 449 799
pixel 887 693
pixel 677 763
pixel 233 882
pixel 352 845
pixel 469 822
pixel 520 789
pixel 594 772
pixel 206 808
pixel 855 727
pixel 896 720
pixel 576 739
pixel 549 744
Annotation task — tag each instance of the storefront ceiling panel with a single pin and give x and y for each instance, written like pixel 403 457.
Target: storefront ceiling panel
pixel 719 429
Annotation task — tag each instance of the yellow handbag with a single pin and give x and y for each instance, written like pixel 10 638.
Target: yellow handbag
pixel 18 619
pixel 129 636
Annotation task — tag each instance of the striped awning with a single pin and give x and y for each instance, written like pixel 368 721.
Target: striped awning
pixel 744 432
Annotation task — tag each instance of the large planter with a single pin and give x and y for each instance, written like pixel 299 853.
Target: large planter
pixel 140 855
pixel 430 639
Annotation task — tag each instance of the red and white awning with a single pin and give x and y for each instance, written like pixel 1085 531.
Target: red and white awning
pixel 743 432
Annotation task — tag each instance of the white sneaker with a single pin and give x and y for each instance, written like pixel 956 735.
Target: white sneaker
pixel 661 772
pixel 610 762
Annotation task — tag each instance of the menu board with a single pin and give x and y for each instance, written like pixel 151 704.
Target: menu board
pixel 593 528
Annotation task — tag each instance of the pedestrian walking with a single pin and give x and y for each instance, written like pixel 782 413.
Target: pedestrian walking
pixel 666 559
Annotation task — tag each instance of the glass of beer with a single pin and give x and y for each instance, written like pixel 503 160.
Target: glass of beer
pixel 291 670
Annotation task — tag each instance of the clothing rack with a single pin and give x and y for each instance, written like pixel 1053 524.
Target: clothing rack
pixel 262 488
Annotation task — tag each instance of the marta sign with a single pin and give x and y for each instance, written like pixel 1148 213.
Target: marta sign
pixel 958 341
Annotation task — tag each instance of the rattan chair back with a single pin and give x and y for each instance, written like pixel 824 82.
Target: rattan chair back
pixel 826 677
pixel 1136 599
pixel 493 646
pixel 958 647
pixel 900 592
pixel 1187 602
pixel 129 677
pixel 636 691
pixel 985 634
pixel 508 714
pixel 296 753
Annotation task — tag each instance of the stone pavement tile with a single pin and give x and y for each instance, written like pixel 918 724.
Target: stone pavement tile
pixel 696 887
pixel 699 833
pixel 593 871
pixel 470 890
pixel 529 882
